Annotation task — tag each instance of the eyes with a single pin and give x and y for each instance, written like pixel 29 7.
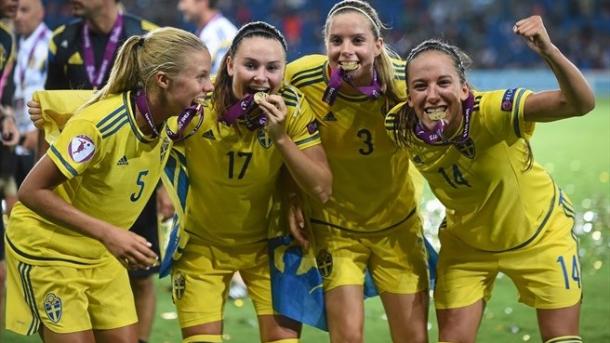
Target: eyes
pixel 422 85
pixel 356 40
pixel 253 66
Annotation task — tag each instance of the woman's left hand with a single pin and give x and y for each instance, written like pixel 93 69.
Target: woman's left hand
pixel 275 109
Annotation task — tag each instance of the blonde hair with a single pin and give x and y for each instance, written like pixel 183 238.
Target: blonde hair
pixel 383 62
pixel 163 49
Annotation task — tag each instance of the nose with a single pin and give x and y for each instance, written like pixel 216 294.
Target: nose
pixel 347 49
pixel 207 86
pixel 260 75
pixel 432 93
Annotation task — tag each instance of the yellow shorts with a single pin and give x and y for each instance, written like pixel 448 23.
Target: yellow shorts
pixel 546 272
pixel 66 299
pixel 396 258
pixel 202 276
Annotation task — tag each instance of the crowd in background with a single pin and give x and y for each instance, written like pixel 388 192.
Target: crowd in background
pixel 483 28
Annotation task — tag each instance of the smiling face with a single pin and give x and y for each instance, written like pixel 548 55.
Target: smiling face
pixel 350 38
pixel 257 65
pixel 192 82
pixel 434 87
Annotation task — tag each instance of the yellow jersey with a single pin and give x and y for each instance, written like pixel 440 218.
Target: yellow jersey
pixel 233 174
pixel 372 187
pixel 494 201
pixel 111 167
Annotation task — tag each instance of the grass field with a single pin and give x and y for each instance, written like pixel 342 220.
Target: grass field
pixel 577 153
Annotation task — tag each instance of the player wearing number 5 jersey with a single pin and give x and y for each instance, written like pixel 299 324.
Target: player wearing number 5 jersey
pixel 504 211
pixel 68 237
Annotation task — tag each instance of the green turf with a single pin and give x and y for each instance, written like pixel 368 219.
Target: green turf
pixel 577 153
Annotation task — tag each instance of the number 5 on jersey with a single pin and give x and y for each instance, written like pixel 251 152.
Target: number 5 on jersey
pixel 140 183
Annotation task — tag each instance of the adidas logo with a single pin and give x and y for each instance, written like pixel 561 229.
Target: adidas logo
pixel 122 161
pixel 208 134
pixel 329 117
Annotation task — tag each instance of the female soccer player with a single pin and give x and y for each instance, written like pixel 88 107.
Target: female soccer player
pixel 371 221
pixel 504 212
pixel 67 237
pixel 253 126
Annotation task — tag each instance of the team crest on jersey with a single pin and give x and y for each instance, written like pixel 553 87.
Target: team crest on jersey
pixel 178 285
pixel 325 262
pixel 263 138
pixel 467 148
pixel 507 100
pixel 81 149
pixel 53 307
pixel 164 148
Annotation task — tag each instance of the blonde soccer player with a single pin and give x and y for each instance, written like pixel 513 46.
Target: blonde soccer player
pixel 371 220
pixel 67 241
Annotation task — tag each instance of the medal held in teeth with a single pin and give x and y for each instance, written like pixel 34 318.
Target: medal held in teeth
pixel 349 66
pixel 259 97
pixel 437 115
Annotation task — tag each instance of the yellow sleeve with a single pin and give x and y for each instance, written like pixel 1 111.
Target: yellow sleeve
pixel 77 147
pixel 503 112
pixel 302 126
pixel 57 107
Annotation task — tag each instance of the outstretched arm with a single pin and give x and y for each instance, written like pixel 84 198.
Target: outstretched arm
pixel 574 96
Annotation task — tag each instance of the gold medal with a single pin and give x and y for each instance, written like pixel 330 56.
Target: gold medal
pixel 437 115
pixel 259 96
pixel 349 66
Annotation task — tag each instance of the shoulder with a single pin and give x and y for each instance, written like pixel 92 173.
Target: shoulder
pixel 136 26
pixel 292 96
pixel 306 70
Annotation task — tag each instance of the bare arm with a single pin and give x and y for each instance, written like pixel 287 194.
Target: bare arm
pixel 574 97
pixel 309 167
pixel 36 193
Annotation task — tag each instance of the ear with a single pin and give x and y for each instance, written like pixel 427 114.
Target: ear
pixel 162 80
pixel 464 91
pixel 409 100
pixel 379 45
pixel 230 66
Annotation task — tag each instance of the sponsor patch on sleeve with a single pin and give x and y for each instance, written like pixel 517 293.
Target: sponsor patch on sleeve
pixel 81 149
pixel 507 100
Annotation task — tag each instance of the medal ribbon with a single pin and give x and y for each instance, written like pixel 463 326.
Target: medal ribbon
pixel 96 79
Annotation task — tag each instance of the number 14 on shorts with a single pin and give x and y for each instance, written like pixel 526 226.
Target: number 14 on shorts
pixel 575 275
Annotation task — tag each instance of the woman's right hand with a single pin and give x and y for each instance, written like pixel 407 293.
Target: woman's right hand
pixel 296 222
pixel 35 112
pixel 132 250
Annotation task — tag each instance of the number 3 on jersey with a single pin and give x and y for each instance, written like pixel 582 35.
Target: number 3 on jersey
pixel 140 183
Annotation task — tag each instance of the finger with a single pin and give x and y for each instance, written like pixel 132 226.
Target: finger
pixel 143 259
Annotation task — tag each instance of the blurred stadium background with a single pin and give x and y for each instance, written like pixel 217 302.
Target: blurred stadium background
pixel 575 151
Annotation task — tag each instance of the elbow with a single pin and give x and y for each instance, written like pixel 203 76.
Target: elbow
pixel 324 191
pixel 25 196
pixel 583 106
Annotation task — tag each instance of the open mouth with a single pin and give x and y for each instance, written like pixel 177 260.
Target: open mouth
pixel 349 65
pixel 436 113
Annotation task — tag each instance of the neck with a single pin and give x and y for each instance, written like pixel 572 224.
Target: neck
pixel 156 108
pixel 206 17
pixel 362 81
pixel 27 35
pixel 103 20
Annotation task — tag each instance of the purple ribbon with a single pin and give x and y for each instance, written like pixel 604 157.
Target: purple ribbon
pixel 96 79
pixel 338 75
pixel 184 118
pixel 242 111
pixel 436 135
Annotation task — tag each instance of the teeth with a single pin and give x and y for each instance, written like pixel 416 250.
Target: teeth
pixel 438 113
pixel 349 66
